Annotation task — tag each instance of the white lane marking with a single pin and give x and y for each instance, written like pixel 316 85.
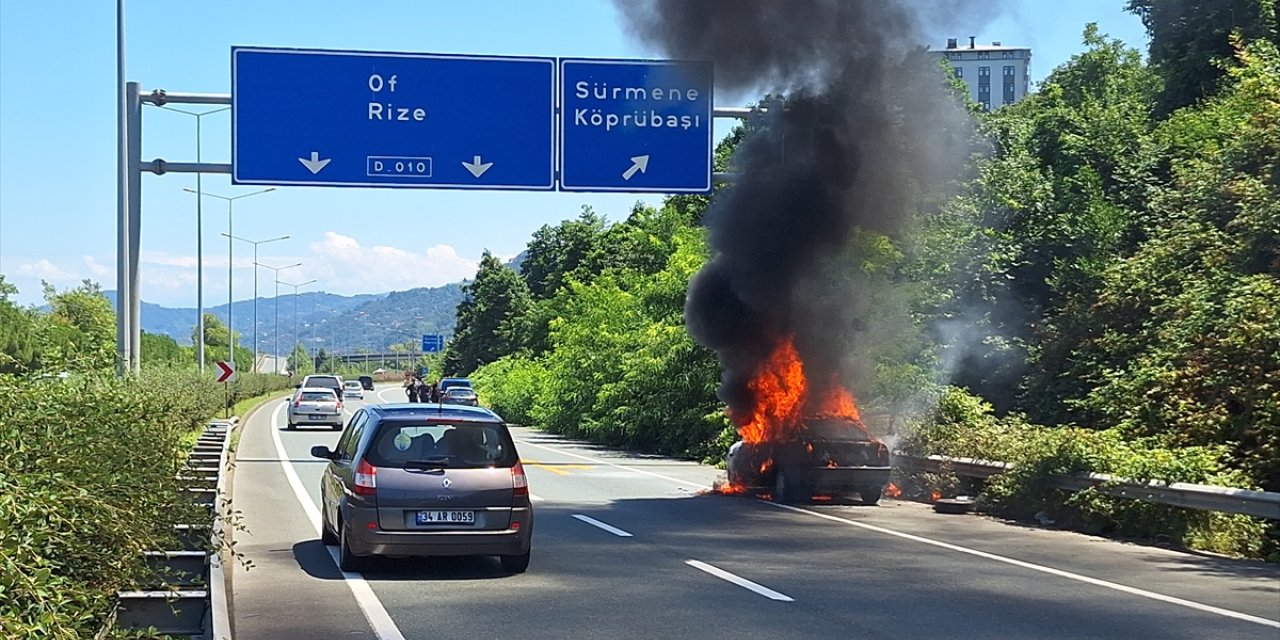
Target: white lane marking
pixel 615 465
pixel 607 527
pixel 384 399
pixel 536 498
pixel 1038 567
pixel 974 552
pixel 739 580
pixel 384 628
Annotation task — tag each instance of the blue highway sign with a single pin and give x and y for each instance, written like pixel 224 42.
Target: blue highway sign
pixel 347 118
pixel 635 125
pixel 432 343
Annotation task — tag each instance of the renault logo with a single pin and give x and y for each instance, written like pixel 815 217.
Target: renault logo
pixel 447 483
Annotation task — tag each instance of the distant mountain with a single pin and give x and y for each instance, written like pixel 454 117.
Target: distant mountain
pixel 323 320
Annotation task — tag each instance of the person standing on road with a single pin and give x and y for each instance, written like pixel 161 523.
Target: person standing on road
pixel 411 388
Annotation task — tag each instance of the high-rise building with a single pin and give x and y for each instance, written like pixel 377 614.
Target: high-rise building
pixel 976 64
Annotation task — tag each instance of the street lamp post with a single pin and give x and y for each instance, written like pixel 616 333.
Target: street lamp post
pixel 255 244
pixel 296 341
pixel 230 200
pixel 275 306
pixel 199 233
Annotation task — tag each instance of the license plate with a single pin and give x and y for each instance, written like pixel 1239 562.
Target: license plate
pixel 317 416
pixel 446 517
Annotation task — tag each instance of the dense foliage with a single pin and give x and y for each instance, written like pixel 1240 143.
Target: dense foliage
pixel 1101 293
pixel 88 482
pixel 88 474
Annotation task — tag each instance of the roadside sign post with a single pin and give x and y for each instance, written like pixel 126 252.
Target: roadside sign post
pixel 635 125
pixel 313 117
pixel 225 372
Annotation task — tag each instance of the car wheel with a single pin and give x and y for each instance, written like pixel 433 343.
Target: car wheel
pixel 291 426
pixel 784 487
pixel 326 532
pixel 515 564
pixel 336 427
pixel 870 495
pixel 347 561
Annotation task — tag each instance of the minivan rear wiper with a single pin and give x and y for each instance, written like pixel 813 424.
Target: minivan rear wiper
pixel 437 462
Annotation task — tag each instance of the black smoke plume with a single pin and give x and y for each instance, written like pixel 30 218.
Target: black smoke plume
pixel 867 132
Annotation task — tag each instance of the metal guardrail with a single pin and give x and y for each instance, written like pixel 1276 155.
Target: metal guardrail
pixel 1259 504
pixel 191 601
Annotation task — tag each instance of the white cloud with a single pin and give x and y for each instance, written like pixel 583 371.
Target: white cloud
pixel 97 270
pixel 43 269
pixel 343 264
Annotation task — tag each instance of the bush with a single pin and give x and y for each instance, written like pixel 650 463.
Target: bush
pixel 965 426
pixel 88 482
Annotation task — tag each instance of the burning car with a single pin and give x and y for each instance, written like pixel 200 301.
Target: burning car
pixel 826 456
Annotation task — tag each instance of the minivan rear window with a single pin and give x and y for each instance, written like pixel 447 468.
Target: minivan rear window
pixel 448 445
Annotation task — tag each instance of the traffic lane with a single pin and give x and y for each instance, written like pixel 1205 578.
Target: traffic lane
pixel 1241 585
pixel 846 576
pixel 269 594
pixel 537 445
pixel 1248 587
pixel 582 583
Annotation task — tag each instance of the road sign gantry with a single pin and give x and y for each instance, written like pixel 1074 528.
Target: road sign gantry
pixel 635 125
pixel 314 117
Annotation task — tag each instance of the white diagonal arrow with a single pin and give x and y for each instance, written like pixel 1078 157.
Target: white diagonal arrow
pixel 315 164
pixel 476 168
pixel 638 163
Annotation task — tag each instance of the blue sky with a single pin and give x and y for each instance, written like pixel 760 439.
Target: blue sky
pixel 57 136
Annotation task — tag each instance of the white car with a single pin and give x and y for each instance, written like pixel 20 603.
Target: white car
pixel 352 389
pixel 315 405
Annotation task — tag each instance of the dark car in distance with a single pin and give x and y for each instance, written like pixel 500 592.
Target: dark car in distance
pixel 461 395
pixel 450 383
pixel 425 480
pixel 366 382
pixel 833 457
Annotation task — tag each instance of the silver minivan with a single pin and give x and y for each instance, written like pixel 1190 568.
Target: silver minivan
pixel 425 480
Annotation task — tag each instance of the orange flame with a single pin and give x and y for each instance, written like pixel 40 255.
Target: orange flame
pixel 782 399
pixel 935 496
pixel 779 389
pixel 892 490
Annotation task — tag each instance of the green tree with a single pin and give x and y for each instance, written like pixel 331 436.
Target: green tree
pixel 217 343
pixel 491 317
pixel 299 362
pixel 79 331
pixel 162 350
pixel 1184 341
pixel 555 252
pixel 18 334
pixel 1191 42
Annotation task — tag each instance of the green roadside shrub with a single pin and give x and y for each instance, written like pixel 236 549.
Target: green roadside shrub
pixel 965 426
pixel 87 483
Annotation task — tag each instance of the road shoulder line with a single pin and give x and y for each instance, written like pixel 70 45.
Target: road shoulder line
pixel 1151 595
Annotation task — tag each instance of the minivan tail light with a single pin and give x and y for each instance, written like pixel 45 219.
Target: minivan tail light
pixel 366 480
pixel 518 480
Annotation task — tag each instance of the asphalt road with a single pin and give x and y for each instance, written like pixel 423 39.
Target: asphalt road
pixel 631 547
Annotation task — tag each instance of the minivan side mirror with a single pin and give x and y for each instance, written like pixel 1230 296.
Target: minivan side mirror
pixel 297 386
pixel 321 451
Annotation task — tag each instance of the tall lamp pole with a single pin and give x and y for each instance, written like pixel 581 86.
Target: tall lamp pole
pixel 255 244
pixel 199 233
pixel 296 341
pixel 230 200
pixel 275 306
